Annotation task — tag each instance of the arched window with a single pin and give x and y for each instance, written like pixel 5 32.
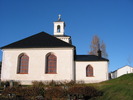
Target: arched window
pixel 89 71
pixel 23 64
pixel 51 64
pixel 58 28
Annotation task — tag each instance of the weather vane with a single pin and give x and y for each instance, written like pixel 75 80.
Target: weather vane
pixel 59 18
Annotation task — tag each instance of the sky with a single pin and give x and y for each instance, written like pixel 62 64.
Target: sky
pixel 110 20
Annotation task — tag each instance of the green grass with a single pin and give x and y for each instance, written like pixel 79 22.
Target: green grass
pixel 117 89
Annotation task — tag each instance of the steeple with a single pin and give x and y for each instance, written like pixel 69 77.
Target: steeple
pixel 59 30
pixel 59 26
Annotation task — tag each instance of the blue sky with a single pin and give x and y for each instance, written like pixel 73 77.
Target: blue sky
pixel 111 20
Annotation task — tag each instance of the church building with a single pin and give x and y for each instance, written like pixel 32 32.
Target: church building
pixel 45 57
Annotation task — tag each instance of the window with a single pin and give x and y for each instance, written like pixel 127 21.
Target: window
pixel 89 71
pixel 23 63
pixel 51 64
pixel 58 28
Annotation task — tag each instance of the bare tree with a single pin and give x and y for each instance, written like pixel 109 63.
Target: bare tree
pixel 97 44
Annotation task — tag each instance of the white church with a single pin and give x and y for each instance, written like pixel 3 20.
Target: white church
pixel 45 57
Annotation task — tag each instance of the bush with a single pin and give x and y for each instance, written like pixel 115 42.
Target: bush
pixel 33 91
pixel 84 92
pixel 46 83
pixel 71 83
pixel 25 92
pixel 55 92
pixel 38 84
pixel 7 83
pixel 53 83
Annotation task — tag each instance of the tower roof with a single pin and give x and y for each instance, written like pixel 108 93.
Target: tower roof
pixel 40 40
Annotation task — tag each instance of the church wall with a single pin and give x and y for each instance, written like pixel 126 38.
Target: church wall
pixel 100 71
pixel 37 62
pixel 66 39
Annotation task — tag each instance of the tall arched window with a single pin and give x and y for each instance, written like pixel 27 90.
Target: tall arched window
pixel 51 64
pixel 89 71
pixel 58 28
pixel 23 64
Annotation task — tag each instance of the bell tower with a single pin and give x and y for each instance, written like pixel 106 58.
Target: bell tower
pixel 59 26
pixel 59 30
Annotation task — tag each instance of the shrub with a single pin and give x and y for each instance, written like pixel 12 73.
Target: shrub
pixel 55 92
pixel 8 90
pixel 84 92
pixel 32 92
pixel 71 83
pixel 7 83
pixel 39 84
pixel 53 83
pixel 25 92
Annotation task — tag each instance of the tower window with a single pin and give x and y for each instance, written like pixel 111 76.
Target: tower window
pixel 58 28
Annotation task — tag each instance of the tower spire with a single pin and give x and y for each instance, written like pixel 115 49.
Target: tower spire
pixel 59 30
pixel 59 26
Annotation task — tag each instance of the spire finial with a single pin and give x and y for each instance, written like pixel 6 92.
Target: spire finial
pixel 59 18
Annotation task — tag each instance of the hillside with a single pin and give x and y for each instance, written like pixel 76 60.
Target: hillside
pixel 117 89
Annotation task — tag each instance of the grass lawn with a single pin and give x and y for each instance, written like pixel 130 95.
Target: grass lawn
pixel 117 89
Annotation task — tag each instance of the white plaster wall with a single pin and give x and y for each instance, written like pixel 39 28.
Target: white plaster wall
pixel 124 70
pixel 113 74
pixel 66 39
pixel 100 71
pixel 37 58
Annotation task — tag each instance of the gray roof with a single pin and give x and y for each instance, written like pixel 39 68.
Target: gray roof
pixel 40 40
